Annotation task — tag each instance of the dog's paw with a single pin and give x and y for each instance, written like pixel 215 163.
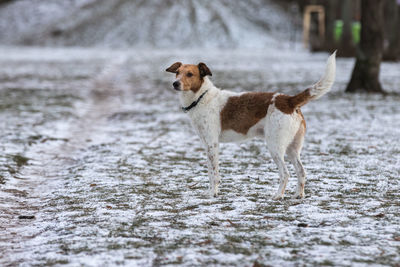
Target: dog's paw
pixel 298 196
pixel 213 193
pixel 277 197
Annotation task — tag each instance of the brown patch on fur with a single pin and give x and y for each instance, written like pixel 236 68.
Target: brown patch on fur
pixel 282 102
pixel 303 121
pixel 190 78
pixel 240 113
pixel 288 104
pixel 204 70
pixel 174 67
pixel 301 99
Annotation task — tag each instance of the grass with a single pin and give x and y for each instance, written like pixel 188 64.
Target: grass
pixel 135 190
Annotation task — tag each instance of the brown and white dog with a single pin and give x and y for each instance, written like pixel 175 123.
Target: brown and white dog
pixel 224 116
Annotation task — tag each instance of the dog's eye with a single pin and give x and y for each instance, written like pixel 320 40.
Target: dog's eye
pixel 189 74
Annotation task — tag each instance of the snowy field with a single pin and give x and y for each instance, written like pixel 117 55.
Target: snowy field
pixel 94 146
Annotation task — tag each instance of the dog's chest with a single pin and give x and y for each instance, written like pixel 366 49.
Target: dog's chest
pixel 206 120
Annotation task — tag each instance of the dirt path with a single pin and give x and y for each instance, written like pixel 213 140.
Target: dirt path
pixel 45 163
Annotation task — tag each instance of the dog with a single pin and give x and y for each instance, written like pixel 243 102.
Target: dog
pixel 223 116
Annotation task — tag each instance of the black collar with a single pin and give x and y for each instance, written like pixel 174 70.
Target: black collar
pixel 186 109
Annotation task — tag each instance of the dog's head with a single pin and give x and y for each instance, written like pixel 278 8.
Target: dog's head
pixel 189 77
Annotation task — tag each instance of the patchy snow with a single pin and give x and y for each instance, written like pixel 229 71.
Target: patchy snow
pixel 95 147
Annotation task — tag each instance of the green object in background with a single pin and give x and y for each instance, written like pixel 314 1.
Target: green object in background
pixel 355 29
pixel 338 30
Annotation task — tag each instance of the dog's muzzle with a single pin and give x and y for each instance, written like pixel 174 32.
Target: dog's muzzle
pixel 177 85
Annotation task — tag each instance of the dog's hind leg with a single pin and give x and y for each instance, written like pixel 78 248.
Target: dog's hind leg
pixel 277 148
pixel 280 130
pixel 283 174
pixel 293 153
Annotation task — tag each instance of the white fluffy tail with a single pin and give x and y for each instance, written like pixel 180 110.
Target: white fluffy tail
pixel 325 84
pixel 318 89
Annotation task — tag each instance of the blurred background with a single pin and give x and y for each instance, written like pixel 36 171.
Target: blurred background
pixel 147 24
pixel 99 166
pixel 320 25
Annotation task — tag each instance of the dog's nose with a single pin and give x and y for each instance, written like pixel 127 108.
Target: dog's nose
pixel 176 85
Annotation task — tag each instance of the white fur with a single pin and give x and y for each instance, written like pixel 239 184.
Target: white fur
pixel 325 84
pixel 282 132
pixel 256 130
pixel 278 129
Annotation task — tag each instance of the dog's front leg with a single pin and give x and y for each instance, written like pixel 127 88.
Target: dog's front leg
pixel 209 135
pixel 213 168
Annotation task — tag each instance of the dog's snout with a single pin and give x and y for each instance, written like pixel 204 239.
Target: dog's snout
pixel 176 85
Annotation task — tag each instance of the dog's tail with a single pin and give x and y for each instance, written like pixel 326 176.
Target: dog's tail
pixel 320 88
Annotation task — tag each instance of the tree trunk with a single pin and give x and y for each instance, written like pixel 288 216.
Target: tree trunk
pixel 365 76
pixel 392 27
pixel 330 43
pixel 5 1
pixel 347 47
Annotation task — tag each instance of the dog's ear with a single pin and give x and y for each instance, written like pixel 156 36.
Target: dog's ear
pixel 204 70
pixel 174 67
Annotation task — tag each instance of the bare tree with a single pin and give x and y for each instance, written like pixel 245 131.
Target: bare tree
pixel 392 27
pixel 4 1
pixel 365 76
pixel 346 46
pixel 330 43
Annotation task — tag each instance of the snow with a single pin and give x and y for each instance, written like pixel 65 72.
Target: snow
pixel 115 175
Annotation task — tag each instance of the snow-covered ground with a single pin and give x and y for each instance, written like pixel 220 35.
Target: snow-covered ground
pixel 94 146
